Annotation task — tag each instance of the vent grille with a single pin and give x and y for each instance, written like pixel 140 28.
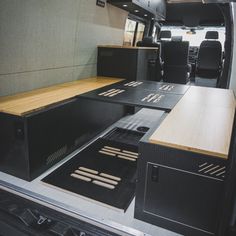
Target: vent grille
pixel 111 92
pixel 56 155
pixel 154 98
pixel 133 84
pixel 167 87
pixel 213 170
pixel 118 153
pixel 93 176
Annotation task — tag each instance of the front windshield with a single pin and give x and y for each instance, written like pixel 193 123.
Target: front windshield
pixel 195 39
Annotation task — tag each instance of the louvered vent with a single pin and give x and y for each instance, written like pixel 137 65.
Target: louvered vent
pixel 56 155
pixel 212 170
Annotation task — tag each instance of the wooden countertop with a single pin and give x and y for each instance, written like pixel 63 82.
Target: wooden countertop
pixel 201 122
pixel 126 47
pixel 24 103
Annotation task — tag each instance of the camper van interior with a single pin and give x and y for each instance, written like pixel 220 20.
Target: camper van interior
pixel 117 117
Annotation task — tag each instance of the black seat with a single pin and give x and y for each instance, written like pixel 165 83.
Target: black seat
pixel 154 66
pixel 176 66
pixel 147 42
pixel 209 61
pixel 165 35
pixel 177 38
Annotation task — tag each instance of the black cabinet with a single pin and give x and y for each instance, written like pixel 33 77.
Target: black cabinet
pixel 172 189
pixel 126 62
pixel 143 8
pixel 32 143
pixel 179 190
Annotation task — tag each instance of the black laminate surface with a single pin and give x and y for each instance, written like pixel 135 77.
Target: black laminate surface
pixel 157 95
pixel 111 164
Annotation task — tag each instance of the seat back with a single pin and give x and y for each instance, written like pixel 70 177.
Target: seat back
pixel 165 35
pixel 175 57
pixel 147 42
pixel 154 65
pixel 209 56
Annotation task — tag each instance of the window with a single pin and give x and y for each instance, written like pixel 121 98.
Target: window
pixel 133 32
pixel 139 33
pixel 197 36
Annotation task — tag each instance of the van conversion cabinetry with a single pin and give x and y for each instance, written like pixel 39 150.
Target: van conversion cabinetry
pixel 183 164
pixel 41 127
pixel 131 63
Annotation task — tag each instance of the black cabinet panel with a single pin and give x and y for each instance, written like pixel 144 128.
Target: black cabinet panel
pixel 183 197
pixel 179 190
pixel 130 64
pixel 31 144
pixel 153 8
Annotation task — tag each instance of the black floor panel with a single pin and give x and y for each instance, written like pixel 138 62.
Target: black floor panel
pixel 105 171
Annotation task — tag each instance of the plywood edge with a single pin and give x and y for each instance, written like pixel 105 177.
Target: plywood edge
pixel 90 200
pixel 189 149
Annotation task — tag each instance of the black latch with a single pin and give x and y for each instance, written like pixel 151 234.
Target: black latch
pixel 19 130
pixel 155 173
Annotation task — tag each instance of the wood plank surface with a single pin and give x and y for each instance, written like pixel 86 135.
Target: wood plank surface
pixel 24 103
pixel 201 122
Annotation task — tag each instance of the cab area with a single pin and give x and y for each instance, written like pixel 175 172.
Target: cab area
pixel 194 40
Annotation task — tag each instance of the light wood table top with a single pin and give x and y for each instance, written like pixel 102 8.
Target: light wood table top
pixel 24 103
pixel 201 122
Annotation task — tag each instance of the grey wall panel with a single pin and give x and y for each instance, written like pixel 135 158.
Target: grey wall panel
pixel 50 41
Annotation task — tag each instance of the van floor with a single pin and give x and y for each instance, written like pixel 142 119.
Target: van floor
pixel 83 208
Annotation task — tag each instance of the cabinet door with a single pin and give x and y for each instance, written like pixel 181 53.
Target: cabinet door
pixel 182 197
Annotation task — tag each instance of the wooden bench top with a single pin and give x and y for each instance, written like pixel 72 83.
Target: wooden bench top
pixel 201 122
pixel 24 103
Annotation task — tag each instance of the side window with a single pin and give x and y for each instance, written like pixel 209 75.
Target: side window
pixel 133 32
pixel 139 33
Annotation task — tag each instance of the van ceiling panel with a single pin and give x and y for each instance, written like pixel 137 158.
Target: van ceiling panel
pixel 193 14
pixel 151 9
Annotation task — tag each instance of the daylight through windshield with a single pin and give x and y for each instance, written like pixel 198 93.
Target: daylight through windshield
pixel 198 36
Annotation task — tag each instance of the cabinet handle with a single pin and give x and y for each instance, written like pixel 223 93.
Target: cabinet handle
pixel 155 174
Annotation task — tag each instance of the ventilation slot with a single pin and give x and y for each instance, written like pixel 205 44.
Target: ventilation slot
pixel 111 92
pixel 154 98
pixel 56 155
pixel 133 84
pixel 118 153
pixel 93 176
pixel 167 87
pixel 212 170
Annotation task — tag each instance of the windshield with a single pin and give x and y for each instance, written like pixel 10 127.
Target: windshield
pixel 195 39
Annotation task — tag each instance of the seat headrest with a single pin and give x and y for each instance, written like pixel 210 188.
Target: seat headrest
pixel 177 38
pixel 212 35
pixel 148 40
pixel 165 34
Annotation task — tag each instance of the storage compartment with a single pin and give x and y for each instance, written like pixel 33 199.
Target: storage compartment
pixel 113 61
pixel 152 8
pixel 104 171
pixel 182 197
pixel 32 143
pixel 179 190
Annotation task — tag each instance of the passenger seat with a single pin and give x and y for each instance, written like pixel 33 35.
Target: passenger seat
pixel 209 61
